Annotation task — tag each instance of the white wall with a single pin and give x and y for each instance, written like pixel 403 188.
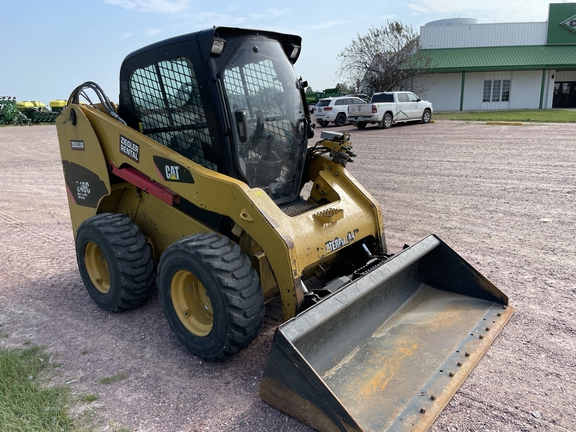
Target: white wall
pixel 483 35
pixel 526 88
pixel 443 90
pixel 473 90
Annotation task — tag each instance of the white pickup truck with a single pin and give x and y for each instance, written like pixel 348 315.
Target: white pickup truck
pixel 387 108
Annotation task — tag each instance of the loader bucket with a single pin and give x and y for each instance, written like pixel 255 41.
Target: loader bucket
pixel 388 350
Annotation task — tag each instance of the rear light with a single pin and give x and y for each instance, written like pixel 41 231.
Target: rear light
pixel 374 109
pixel 327 108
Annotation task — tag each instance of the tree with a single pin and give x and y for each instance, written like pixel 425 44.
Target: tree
pixel 384 59
pixel 343 88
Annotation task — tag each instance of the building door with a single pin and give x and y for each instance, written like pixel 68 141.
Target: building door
pixel 564 94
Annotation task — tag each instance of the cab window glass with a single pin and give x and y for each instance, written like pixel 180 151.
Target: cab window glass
pixel 383 97
pixel 167 101
pixel 261 87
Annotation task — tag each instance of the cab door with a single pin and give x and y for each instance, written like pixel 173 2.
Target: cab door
pixel 404 107
pixel 416 107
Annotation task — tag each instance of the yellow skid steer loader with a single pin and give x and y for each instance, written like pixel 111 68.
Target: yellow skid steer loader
pixel 202 180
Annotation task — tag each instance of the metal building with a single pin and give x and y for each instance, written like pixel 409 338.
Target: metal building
pixel 476 66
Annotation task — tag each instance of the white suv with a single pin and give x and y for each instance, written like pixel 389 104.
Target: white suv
pixel 334 110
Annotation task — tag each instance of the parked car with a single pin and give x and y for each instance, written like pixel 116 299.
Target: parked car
pixel 334 110
pixel 387 108
pixel 311 108
pixel 363 96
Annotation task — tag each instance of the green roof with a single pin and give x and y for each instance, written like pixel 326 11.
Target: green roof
pixel 525 57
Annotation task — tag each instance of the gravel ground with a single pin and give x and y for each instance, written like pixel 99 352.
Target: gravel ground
pixel 502 196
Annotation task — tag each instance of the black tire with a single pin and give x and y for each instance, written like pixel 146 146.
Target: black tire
pixel 426 116
pixel 387 121
pixel 361 125
pixel 340 119
pixel 322 123
pixel 115 261
pixel 211 295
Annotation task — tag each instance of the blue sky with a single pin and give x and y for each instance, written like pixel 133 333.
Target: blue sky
pixel 50 47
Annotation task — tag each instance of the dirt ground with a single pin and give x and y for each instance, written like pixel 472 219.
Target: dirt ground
pixel 504 197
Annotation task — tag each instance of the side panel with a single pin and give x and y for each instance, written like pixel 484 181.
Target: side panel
pixel 162 224
pixel 85 172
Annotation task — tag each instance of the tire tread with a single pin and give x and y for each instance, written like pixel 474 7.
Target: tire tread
pixel 132 255
pixel 240 286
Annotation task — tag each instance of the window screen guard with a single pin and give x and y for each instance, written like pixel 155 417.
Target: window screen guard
pixel 167 100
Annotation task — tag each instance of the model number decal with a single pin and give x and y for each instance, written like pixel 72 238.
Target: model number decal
pixel 82 189
pixel 340 242
pixel 129 148
pixel 77 145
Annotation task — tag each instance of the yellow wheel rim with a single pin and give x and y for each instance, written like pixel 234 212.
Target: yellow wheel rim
pixel 97 267
pixel 191 303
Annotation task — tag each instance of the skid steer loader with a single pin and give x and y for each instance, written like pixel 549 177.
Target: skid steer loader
pixel 202 179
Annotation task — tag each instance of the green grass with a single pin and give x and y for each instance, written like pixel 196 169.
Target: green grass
pixel 25 404
pixel 538 116
pixel 29 404
pixel 113 379
pixel 89 398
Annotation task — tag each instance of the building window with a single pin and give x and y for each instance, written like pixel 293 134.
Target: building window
pixel 496 88
pixel 505 90
pixel 496 91
pixel 487 91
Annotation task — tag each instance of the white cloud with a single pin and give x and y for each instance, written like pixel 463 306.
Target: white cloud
pixel 156 6
pixel 277 12
pixel 324 25
pixel 205 20
pixel 153 31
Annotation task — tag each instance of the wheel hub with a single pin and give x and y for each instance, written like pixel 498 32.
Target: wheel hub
pixel 97 267
pixel 191 303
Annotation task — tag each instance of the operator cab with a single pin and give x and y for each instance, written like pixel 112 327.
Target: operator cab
pixel 227 99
